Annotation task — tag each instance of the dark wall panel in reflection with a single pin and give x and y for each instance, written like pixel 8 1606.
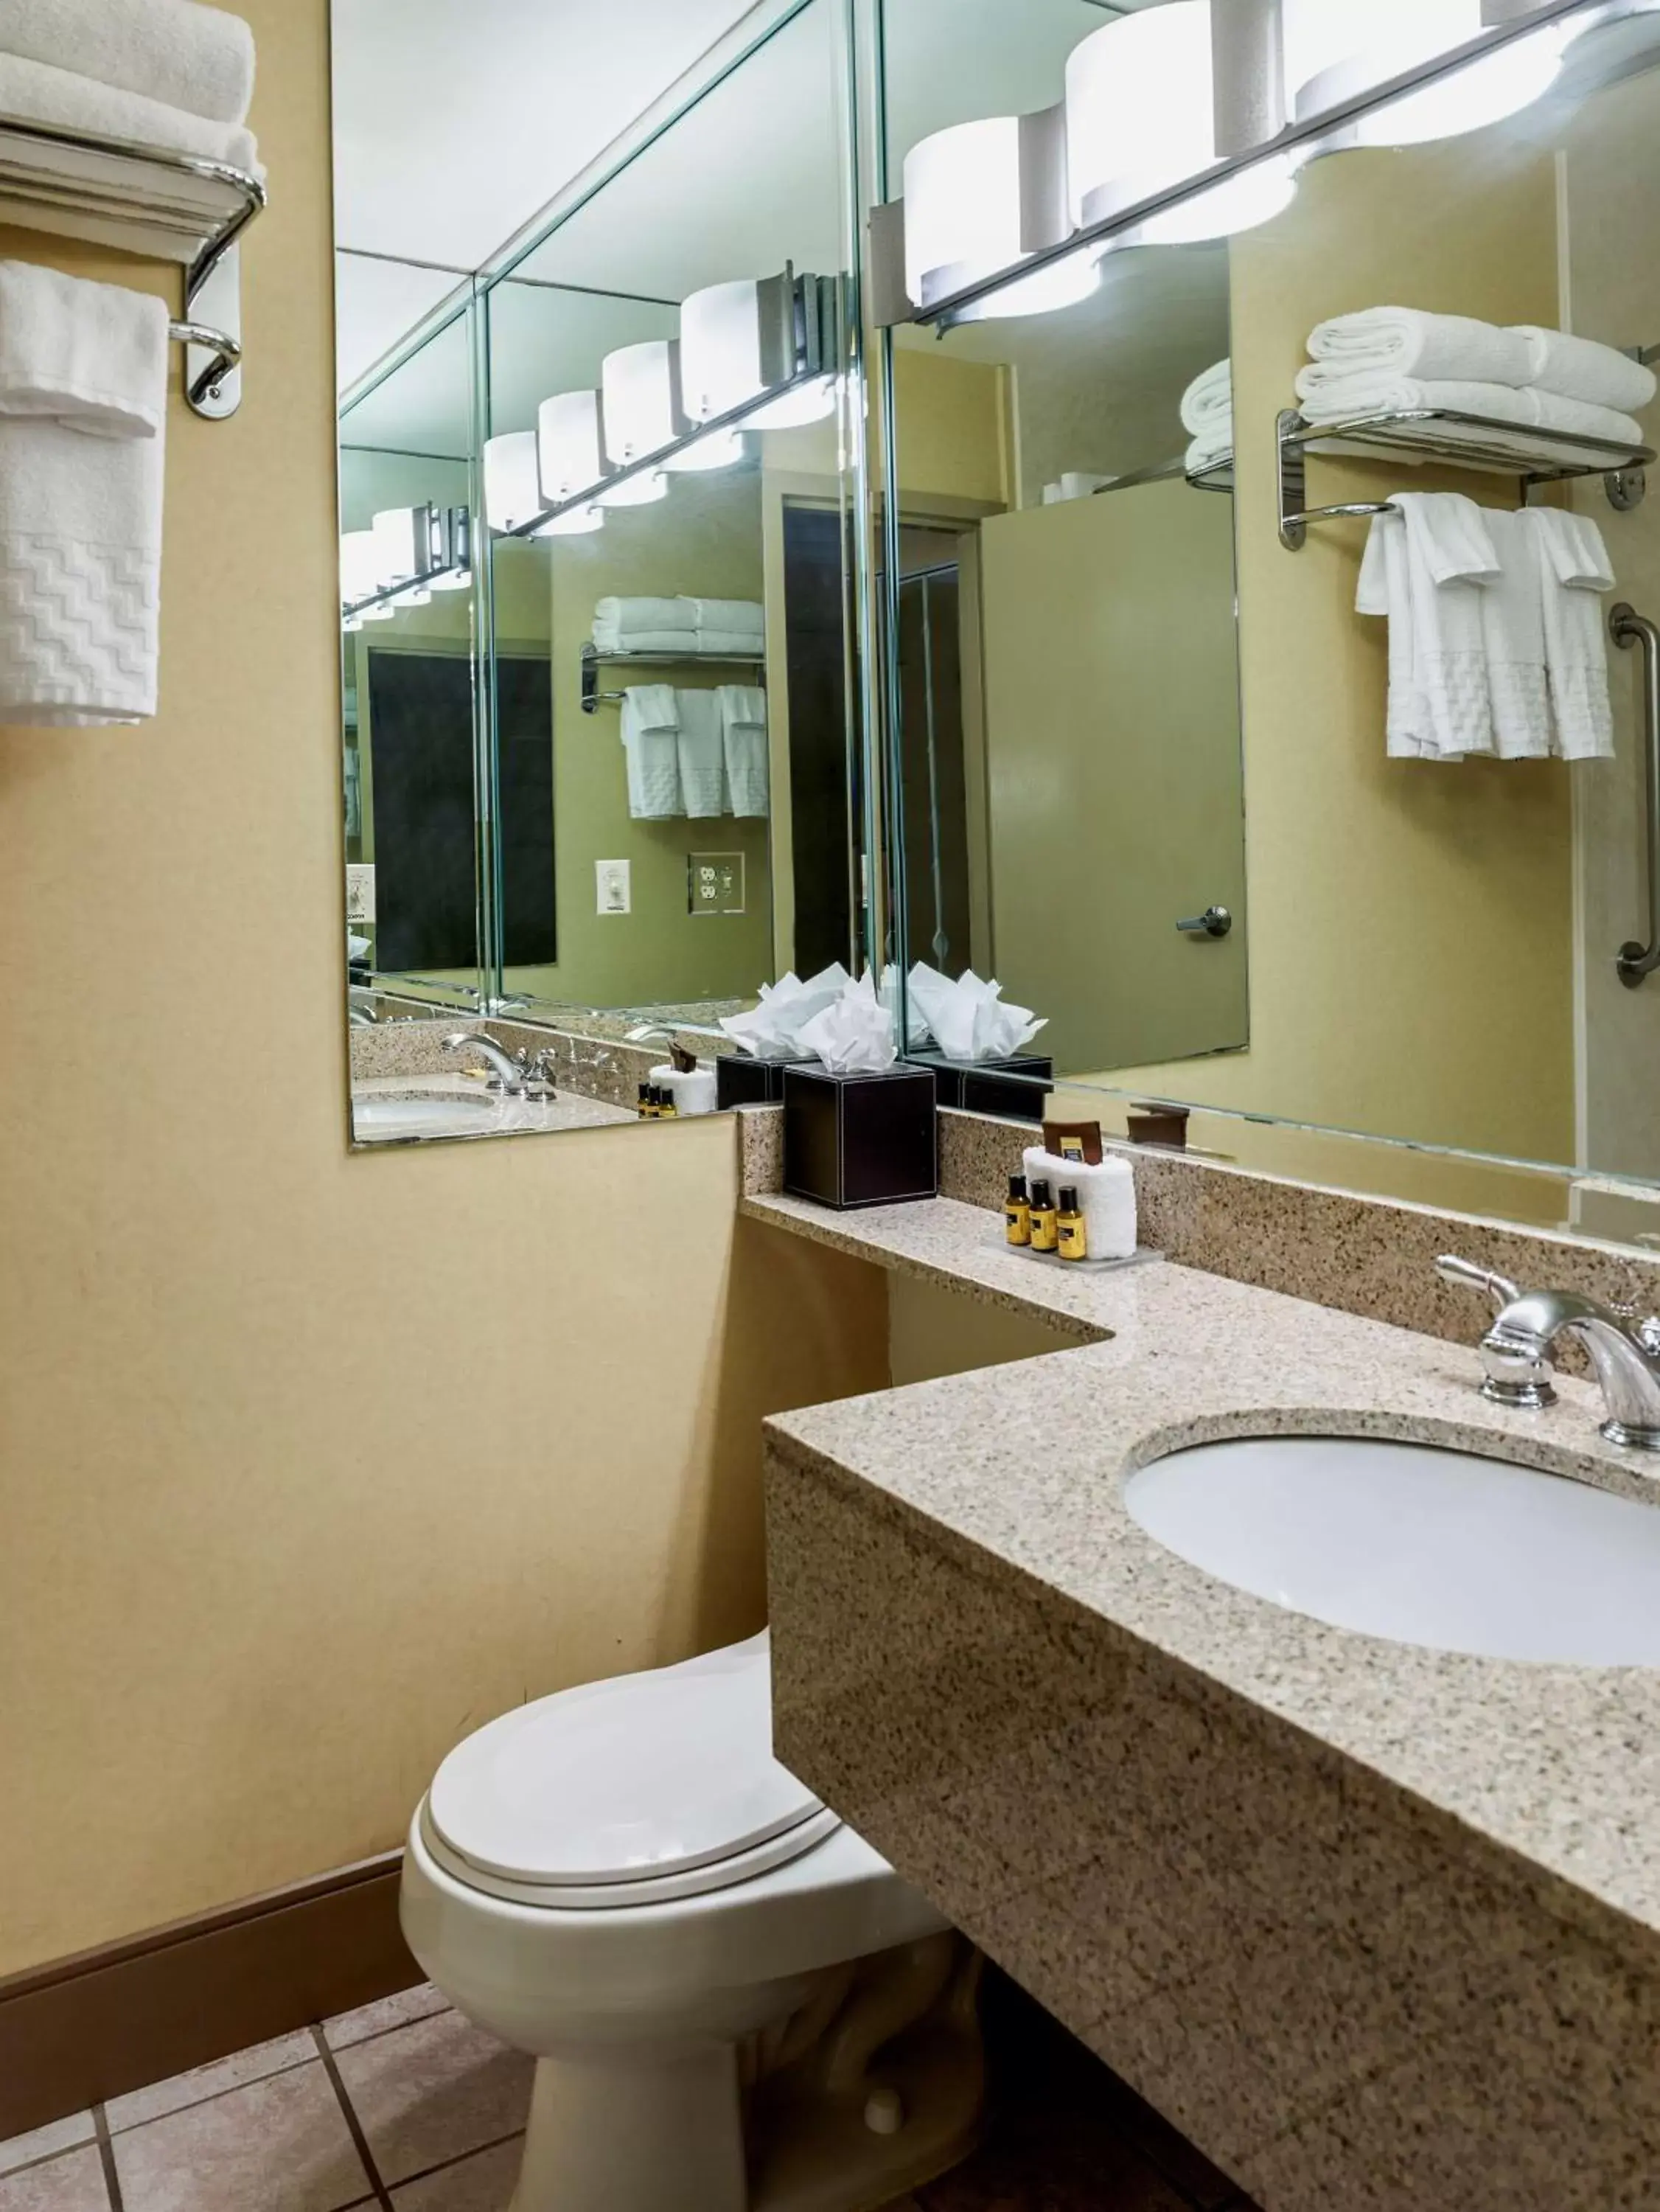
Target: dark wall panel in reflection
pixel 524 729
pixel 421 724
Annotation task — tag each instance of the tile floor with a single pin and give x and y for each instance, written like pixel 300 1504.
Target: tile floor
pixel 406 2107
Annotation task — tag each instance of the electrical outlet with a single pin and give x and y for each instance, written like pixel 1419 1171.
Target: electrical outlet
pixel 715 882
pixel 613 892
pixel 360 891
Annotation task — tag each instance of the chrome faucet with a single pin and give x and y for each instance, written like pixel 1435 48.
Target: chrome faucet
pixel 1516 1352
pixel 515 1074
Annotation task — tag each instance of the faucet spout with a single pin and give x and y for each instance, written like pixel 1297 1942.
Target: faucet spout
pixel 508 1072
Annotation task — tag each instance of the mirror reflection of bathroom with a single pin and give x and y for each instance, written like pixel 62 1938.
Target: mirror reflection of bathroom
pixel 600 756
pixel 1239 895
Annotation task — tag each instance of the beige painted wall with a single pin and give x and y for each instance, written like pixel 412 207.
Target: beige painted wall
pixel 1388 899
pixel 310 1461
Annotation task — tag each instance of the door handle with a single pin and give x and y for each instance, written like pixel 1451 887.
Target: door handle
pixel 1215 921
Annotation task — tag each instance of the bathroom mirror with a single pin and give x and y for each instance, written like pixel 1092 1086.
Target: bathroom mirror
pixel 1421 951
pixel 622 648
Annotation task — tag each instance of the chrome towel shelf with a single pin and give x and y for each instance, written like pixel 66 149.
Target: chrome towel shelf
pixel 593 659
pixel 146 200
pixel 1457 441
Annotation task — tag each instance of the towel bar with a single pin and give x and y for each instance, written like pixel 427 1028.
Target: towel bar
pixel 593 697
pixel 1637 963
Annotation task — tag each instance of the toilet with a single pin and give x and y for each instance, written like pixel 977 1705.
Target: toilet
pixel 736 2005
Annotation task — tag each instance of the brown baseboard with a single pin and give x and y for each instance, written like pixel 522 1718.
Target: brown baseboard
pixel 106 2022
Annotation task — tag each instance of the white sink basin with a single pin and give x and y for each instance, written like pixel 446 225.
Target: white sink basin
pixel 1416 1545
pixel 453 1113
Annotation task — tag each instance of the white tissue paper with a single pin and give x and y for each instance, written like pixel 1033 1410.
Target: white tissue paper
pixel 772 1029
pixel 969 1019
pixel 854 1035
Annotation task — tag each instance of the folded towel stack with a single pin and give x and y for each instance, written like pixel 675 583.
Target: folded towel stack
pixel 165 73
pixel 1207 417
pixel 1495 630
pixel 1392 360
pixel 695 753
pixel 685 626
pixel 83 383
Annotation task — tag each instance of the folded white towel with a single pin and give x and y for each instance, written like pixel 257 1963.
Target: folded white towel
pixel 729 617
pixel 1580 368
pixel 736 644
pixel 34 92
pixel 199 59
pixel 627 616
pixel 680 642
pixel 1214 445
pixel 1207 398
pixel 1513 632
pixel 1450 556
pixel 1555 411
pixel 1575 571
pixel 93 357
pixel 702 755
pixel 1329 397
pixel 650 743
pixel 80 574
pixel 744 736
pixel 1106 1198
pixel 1407 341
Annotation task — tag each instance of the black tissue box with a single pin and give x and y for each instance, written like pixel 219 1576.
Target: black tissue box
pixel 1015 1089
pixel 741 1080
pixel 853 1140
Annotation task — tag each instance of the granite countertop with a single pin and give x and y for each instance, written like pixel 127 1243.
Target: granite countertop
pixel 479 1112
pixel 1559 1766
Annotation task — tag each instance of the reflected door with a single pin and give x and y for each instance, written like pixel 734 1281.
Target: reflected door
pixel 1114 778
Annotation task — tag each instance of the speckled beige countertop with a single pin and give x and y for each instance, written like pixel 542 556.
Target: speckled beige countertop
pixel 896 1521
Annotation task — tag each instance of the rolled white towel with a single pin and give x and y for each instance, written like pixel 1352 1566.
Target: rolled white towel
pixel 682 643
pixel 199 59
pixel 1408 342
pixel 736 644
pixel 91 357
pixel 745 617
pixel 693 1089
pixel 1106 1198
pixel 627 616
pixel 1209 450
pixel 34 92
pixel 1207 399
pixel 1580 368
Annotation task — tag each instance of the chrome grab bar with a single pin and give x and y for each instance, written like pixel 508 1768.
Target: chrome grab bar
pixel 1637 963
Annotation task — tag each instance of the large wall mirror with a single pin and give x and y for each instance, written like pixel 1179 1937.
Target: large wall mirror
pixel 1157 772
pixel 600 561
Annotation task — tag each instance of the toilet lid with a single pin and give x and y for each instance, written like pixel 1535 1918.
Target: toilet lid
pixel 627 1782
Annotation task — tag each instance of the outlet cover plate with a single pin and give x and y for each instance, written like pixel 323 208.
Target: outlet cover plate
pixel 714 883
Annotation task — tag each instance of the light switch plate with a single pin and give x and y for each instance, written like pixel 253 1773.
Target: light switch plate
pixel 613 890
pixel 359 890
pixel 714 883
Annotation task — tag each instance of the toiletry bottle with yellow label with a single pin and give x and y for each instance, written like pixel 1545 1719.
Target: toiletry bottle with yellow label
pixel 667 1109
pixel 1017 1211
pixel 1073 1240
pixel 1046 1229
pixel 647 1106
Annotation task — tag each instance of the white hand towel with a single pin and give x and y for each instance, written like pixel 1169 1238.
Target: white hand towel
pixel 629 615
pixel 1576 572
pixel 201 59
pixel 1107 1199
pixel 1407 341
pixel 1513 629
pixel 80 574
pixel 1580 368
pixel 1207 399
pixel 650 743
pixel 745 617
pixel 1450 557
pixel 34 92
pixel 1328 397
pixel 743 735
pixel 93 357
pixel 1385 588
pixel 702 758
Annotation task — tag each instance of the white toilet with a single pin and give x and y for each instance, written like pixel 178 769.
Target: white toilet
pixel 737 2006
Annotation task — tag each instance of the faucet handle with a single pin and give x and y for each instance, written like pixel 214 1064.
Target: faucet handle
pixel 1516 1371
pixel 1500 1288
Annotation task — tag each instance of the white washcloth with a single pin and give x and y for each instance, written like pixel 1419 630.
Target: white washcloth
pixel 92 356
pixel 1385 588
pixel 627 616
pixel 743 735
pixel 651 741
pixel 80 574
pixel 702 758
pixel 34 92
pixel 728 617
pixel 1575 571
pixel 1580 368
pixel 1450 557
pixel 1513 630
pixel 1107 1199
pixel 201 59
pixel 1407 341
pixel 1207 399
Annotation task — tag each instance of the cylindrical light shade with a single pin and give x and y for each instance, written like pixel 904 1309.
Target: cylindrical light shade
pixel 395 556
pixel 360 567
pixel 715 449
pixel 804 403
pixel 1336 49
pixel 638 385
pixel 575 522
pixel 962 222
pixel 567 445
pixel 638 491
pixel 512 486
pixel 720 364
pixel 1140 118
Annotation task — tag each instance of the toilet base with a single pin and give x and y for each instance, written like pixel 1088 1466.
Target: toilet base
pixel 871 2086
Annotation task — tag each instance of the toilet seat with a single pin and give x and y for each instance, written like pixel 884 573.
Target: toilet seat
pixel 636 1790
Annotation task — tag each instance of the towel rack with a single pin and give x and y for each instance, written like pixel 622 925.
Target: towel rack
pixel 1637 963
pixel 1456 441
pixel 146 200
pixel 593 659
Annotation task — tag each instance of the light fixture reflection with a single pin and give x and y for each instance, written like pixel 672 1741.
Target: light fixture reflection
pixel 513 487
pixel 716 449
pixel 963 222
pixel 720 362
pixel 638 491
pixel 453 580
pixel 395 545
pixel 1141 119
pixel 575 522
pixel 1336 50
pixel 360 567
pixel 638 382
pixel 568 445
pixel 806 403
